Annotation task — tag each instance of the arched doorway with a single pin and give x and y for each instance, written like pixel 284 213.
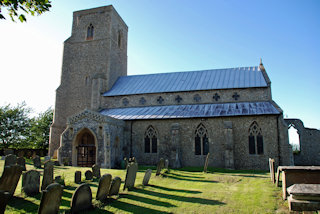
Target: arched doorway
pixel 86 149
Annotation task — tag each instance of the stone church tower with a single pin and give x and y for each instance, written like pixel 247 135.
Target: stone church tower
pixel 94 57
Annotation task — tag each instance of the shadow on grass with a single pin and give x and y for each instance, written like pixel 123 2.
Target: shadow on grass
pixel 175 190
pixel 146 200
pixel 188 179
pixel 187 176
pixel 132 208
pixel 179 198
pixel 22 204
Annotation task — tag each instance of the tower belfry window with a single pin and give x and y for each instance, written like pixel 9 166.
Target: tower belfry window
pixel 90 31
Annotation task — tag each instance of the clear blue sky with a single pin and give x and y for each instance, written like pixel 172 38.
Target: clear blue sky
pixel 178 35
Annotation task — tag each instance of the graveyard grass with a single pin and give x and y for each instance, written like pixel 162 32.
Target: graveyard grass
pixel 187 190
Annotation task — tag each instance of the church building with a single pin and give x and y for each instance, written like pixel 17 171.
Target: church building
pixel 103 115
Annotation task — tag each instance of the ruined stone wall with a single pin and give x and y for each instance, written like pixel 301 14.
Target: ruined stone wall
pixel 90 65
pixel 217 141
pixel 309 144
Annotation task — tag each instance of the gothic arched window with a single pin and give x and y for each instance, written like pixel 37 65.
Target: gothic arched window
pixel 255 139
pixel 201 140
pixel 90 32
pixel 150 140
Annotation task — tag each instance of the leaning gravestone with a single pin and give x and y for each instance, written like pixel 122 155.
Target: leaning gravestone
pixel 77 177
pixel 271 168
pixel 89 175
pixel 81 199
pixel 51 199
pixel 47 175
pixel 206 163
pixel 160 166
pixel 131 175
pixel 147 177
pixel 10 160
pixel 37 162
pixel 115 186
pixel 31 182
pixel 104 187
pixel 22 162
pixel 10 178
pixel 96 171
pixel 4 198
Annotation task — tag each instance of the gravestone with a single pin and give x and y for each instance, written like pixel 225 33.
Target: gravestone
pixel 65 161
pixel 4 198
pixel 96 171
pixel 89 175
pixel 77 177
pixel 81 199
pixel 31 182
pixel 272 172
pixel 166 164
pixel 131 175
pixel 47 175
pixel 147 177
pixel 206 163
pixel 160 166
pixel 304 197
pixel 115 186
pixel 10 178
pixel 22 162
pixel 104 187
pixel 58 179
pixel 51 199
pixel 37 162
pixel 10 160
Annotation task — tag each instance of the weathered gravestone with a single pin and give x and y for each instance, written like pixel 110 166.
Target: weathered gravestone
pixel 47 175
pixel 81 199
pixel 22 162
pixel 147 177
pixel 160 166
pixel 51 199
pixel 205 168
pixel 37 162
pixel 4 198
pixel 104 187
pixel 31 182
pixel 131 175
pixel 10 160
pixel 10 178
pixel 115 186
pixel 272 172
pixel 96 171
pixel 166 164
pixel 77 177
pixel 88 174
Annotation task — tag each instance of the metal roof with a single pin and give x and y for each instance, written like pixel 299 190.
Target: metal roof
pixel 191 111
pixel 245 77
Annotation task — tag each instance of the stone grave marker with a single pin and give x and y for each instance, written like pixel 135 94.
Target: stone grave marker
pixel 104 187
pixel 160 166
pixel 89 175
pixel 206 163
pixel 131 175
pixel 96 171
pixel 115 186
pixel 271 168
pixel 58 179
pixel 304 197
pixel 166 164
pixel 4 198
pixel 51 199
pixel 10 160
pixel 77 177
pixel 10 178
pixel 37 162
pixel 81 199
pixel 22 162
pixel 147 177
pixel 31 182
pixel 47 175
pixel 66 161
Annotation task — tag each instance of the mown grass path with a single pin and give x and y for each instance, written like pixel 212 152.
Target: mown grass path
pixel 187 190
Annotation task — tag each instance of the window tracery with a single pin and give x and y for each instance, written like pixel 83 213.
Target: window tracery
pixel 150 140
pixel 255 139
pixel 201 140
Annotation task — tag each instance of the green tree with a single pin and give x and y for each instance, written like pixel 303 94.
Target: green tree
pixel 15 7
pixel 38 136
pixel 14 125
